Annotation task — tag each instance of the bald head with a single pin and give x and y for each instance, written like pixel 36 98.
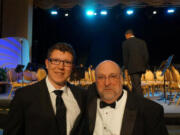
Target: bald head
pixel 107 64
pixel 108 81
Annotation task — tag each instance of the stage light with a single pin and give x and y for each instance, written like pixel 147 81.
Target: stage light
pixel 154 12
pixel 95 13
pixel 66 14
pixel 170 10
pixel 54 12
pixel 103 12
pixel 90 12
pixel 129 11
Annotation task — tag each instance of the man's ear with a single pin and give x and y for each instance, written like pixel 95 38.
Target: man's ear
pixel 121 79
pixel 46 63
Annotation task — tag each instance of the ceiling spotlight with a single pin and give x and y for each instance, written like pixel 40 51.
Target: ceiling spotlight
pixel 90 13
pixel 129 11
pixel 54 12
pixel 66 14
pixel 103 12
pixel 170 10
pixel 154 12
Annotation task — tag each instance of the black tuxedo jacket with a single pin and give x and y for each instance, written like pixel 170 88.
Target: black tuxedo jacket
pixel 31 111
pixel 135 55
pixel 141 116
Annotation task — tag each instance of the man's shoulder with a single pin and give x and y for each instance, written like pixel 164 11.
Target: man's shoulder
pixel 148 103
pixel 75 88
pixel 139 40
pixel 130 40
pixel 91 92
pixel 151 102
pixel 143 102
pixel 77 91
pixel 30 88
pixel 29 93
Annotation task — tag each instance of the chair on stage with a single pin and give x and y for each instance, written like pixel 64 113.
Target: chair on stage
pixel 159 80
pixel 144 85
pixel 87 80
pixel 149 82
pixel 17 78
pixel 29 76
pixel 91 73
pixel 12 75
pixel 41 74
pixel 167 82
pixel 174 85
pixel 13 80
pixel 127 80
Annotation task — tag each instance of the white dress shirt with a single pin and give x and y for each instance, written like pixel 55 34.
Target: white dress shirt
pixel 109 120
pixel 72 108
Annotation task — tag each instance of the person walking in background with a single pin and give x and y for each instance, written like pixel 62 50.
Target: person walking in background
pixel 112 110
pixel 135 59
pixel 52 106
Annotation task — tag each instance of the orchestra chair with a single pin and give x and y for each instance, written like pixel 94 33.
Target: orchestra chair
pixel 149 82
pixel 175 84
pixel 29 76
pixel 14 82
pixel 127 80
pixel 159 78
pixel 41 74
pixel 144 85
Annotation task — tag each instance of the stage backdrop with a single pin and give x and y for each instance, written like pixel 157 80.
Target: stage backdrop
pixel 13 51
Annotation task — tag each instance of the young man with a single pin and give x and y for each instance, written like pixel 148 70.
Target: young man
pixel 135 59
pixel 111 110
pixel 39 109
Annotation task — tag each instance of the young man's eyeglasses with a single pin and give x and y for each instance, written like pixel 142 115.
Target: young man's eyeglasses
pixel 66 63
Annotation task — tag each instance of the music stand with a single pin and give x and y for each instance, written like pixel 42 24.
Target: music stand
pixel 19 69
pixel 166 66
pixel 31 67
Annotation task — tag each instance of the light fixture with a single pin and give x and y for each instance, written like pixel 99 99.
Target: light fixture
pixel 103 12
pixel 129 11
pixel 54 12
pixel 170 10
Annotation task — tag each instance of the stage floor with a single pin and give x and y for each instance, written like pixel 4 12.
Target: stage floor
pixel 169 107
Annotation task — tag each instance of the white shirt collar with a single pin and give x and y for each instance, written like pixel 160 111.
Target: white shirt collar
pixel 124 97
pixel 51 88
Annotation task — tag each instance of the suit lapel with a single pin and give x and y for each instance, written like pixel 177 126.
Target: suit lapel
pixel 45 97
pixel 91 106
pixel 92 114
pixel 129 117
pixel 46 102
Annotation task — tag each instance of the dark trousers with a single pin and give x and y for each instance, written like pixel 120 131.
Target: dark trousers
pixel 136 83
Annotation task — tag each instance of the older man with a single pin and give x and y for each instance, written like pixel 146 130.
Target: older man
pixel 51 106
pixel 111 110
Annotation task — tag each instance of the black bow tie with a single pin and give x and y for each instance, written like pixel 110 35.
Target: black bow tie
pixel 112 105
pixel 104 104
